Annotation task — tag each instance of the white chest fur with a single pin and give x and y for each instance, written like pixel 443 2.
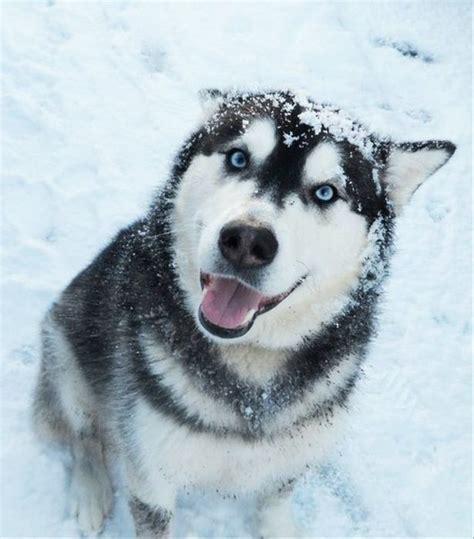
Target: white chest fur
pixel 173 453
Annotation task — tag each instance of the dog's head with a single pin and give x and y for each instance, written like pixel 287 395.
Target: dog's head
pixel 279 208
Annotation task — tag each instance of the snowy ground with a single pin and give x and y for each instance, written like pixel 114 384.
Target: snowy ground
pixel 98 96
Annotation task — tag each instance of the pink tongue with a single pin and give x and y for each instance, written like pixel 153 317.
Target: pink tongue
pixel 226 302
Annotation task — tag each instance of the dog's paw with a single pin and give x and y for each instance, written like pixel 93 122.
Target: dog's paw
pixel 91 499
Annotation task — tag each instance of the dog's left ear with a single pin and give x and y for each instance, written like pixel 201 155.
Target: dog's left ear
pixel 211 99
pixel 409 164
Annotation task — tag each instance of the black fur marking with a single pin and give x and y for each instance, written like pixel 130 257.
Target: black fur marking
pixel 446 145
pixel 360 186
pixel 149 522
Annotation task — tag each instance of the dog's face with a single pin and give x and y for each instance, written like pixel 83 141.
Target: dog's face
pixel 275 215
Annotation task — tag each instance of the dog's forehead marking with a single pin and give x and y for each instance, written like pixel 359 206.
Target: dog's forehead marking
pixel 260 138
pixel 323 163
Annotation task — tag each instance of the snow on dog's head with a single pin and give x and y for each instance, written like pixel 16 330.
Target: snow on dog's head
pixel 282 210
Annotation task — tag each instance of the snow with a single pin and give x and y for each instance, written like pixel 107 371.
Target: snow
pixel 97 97
pixel 340 125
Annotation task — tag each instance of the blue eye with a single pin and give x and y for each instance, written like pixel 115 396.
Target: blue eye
pixel 325 193
pixel 237 159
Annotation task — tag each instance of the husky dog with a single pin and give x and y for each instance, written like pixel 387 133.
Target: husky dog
pixel 215 343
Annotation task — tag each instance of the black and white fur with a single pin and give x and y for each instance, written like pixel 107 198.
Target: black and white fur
pixel 126 360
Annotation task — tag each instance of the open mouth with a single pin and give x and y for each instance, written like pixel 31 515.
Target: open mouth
pixel 229 308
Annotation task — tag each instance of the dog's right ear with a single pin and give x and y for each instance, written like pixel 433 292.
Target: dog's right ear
pixel 408 165
pixel 211 99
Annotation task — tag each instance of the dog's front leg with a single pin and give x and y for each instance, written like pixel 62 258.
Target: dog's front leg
pixel 275 515
pixel 151 500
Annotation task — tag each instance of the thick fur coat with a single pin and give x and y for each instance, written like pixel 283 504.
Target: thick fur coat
pixel 215 343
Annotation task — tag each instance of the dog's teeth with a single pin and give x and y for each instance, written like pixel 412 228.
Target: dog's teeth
pixel 249 316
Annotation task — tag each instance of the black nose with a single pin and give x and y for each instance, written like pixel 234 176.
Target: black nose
pixel 247 246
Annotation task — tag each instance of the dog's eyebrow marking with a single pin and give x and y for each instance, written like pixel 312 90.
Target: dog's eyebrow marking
pixel 260 138
pixel 323 164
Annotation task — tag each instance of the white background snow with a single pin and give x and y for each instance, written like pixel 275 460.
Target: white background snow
pixel 96 99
